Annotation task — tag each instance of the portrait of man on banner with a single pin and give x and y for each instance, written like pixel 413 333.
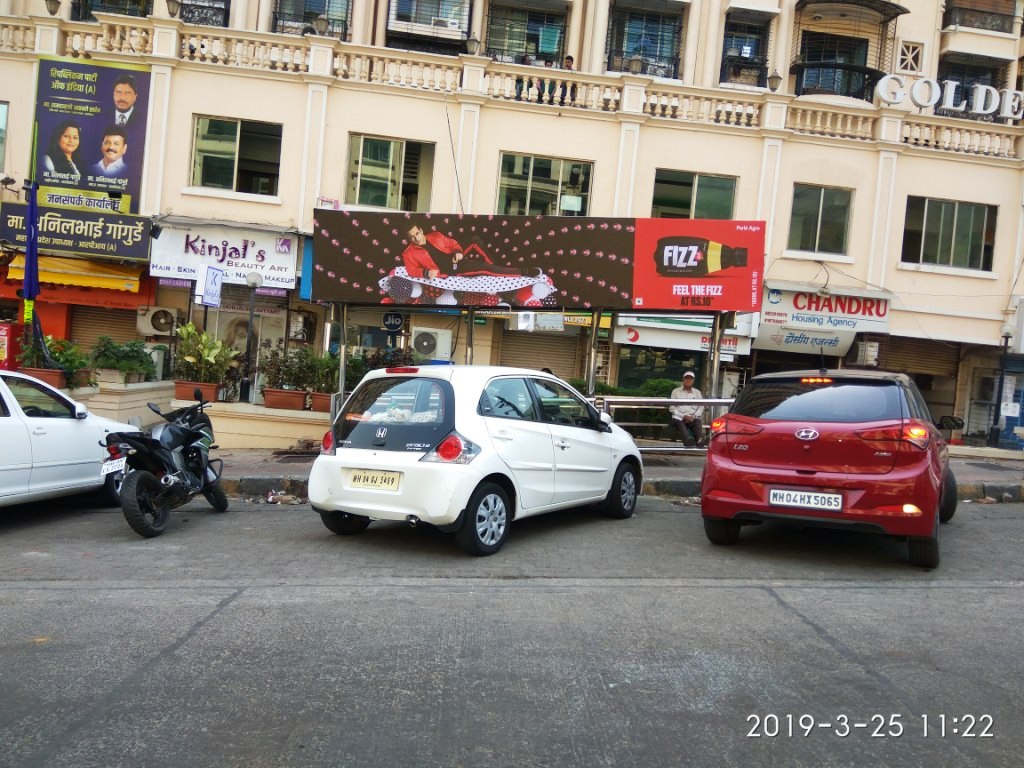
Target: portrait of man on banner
pixel 90 133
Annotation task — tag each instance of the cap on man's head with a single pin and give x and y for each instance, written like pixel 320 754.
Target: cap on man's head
pixel 689 374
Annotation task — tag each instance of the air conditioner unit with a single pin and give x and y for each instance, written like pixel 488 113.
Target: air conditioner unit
pixel 438 21
pixel 432 343
pixel 156 321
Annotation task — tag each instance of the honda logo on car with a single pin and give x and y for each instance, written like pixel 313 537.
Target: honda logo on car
pixel 381 433
pixel 806 434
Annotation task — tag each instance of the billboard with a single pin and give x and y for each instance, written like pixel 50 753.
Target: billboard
pixel 530 262
pixel 90 133
pixel 79 233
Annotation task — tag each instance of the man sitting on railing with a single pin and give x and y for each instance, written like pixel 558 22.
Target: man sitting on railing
pixel 686 419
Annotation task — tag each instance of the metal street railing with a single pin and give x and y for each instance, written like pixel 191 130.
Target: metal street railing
pixel 714 406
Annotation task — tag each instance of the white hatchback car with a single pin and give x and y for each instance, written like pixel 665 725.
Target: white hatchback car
pixel 50 445
pixel 469 449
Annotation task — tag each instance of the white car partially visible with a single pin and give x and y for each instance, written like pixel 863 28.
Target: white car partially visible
pixel 469 449
pixel 50 445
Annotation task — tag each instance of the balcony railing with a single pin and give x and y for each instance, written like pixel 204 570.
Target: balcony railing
pixel 541 88
pixel 834 78
pixel 744 70
pixel 652 66
pixel 968 17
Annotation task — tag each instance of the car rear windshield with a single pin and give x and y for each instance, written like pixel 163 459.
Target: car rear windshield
pixel 397 413
pixel 832 400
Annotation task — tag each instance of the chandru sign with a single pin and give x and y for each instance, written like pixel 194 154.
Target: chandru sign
pixel 949 95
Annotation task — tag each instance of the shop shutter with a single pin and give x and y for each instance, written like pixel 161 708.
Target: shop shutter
pixel 89 323
pixel 542 350
pixel 900 353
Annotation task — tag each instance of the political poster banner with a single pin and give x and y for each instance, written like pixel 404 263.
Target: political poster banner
pixel 90 134
pixel 529 262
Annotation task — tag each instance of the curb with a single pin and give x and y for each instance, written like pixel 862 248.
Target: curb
pixel 299 486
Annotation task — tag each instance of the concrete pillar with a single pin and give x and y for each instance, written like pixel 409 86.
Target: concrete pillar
pixel 358 19
pixel 574 32
pixel 783 37
pixel 598 38
pixel 690 40
pixel 265 18
pixel 713 26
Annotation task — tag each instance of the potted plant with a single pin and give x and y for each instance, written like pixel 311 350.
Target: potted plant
pixel 58 362
pixel 122 363
pixel 323 381
pixel 284 376
pixel 200 361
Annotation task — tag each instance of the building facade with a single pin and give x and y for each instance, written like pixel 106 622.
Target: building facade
pixel 880 142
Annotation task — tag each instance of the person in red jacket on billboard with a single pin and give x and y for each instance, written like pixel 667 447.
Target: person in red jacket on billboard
pixel 426 250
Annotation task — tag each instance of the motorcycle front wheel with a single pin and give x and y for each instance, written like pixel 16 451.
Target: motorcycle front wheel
pixel 144 509
pixel 217 498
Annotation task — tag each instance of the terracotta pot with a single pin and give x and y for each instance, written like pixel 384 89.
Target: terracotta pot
pixel 321 401
pixel 294 399
pixel 52 377
pixel 183 390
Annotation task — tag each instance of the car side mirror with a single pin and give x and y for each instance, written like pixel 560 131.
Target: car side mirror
pixel 951 422
pixel 81 411
pixel 605 424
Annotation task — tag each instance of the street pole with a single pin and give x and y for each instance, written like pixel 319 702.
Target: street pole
pixel 993 433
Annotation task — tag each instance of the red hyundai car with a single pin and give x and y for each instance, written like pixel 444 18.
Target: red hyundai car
pixel 843 448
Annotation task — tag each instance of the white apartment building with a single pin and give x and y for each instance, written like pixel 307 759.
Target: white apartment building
pixel 880 142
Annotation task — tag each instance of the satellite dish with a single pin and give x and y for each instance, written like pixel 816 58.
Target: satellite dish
pixel 425 343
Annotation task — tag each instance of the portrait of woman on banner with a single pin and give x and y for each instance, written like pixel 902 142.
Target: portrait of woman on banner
pixel 62 162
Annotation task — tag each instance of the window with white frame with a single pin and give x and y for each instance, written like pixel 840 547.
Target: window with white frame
pixel 3 132
pixel 820 219
pixel 389 173
pixel 544 186
pixel 685 195
pixel 949 233
pixel 237 155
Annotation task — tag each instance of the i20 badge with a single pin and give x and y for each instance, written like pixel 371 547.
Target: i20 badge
pixel 806 434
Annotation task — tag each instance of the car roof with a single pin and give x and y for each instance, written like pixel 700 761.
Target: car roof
pixel 461 373
pixel 837 373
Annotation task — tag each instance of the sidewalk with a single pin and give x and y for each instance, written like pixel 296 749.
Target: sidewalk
pixel 981 473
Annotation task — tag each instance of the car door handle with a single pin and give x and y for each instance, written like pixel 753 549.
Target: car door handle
pixel 562 444
pixel 38 431
pixel 506 436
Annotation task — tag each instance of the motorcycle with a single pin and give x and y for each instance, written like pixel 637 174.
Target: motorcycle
pixel 167 467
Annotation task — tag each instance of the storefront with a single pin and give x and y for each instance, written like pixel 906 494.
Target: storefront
pixel 665 346
pixel 807 326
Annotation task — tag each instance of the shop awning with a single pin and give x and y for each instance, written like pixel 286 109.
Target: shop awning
pixel 82 272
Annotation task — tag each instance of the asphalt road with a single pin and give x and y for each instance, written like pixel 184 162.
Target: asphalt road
pixel 258 638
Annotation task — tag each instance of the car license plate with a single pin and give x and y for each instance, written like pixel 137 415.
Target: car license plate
pixel 375 479
pixel 114 465
pixel 781 497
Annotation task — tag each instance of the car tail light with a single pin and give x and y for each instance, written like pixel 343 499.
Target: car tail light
pixel 816 380
pixel 406 369
pixel 327 445
pixel 727 426
pixel 454 449
pixel 913 432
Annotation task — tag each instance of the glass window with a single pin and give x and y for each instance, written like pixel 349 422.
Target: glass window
pixel 649 42
pixel 36 401
pixel 543 186
pixel 3 132
pixel 389 173
pixel 296 16
pixel 239 155
pixel 836 401
pixel 509 399
pixel 684 195
pixel 745 50
pixel 820 219
pixel 849 55
pixel 560 405
pixel 396 414
pixel 949 233
pixel 521 36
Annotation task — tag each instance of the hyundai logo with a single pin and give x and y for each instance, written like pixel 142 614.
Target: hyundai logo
pixel 382 432
pixel 806 434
